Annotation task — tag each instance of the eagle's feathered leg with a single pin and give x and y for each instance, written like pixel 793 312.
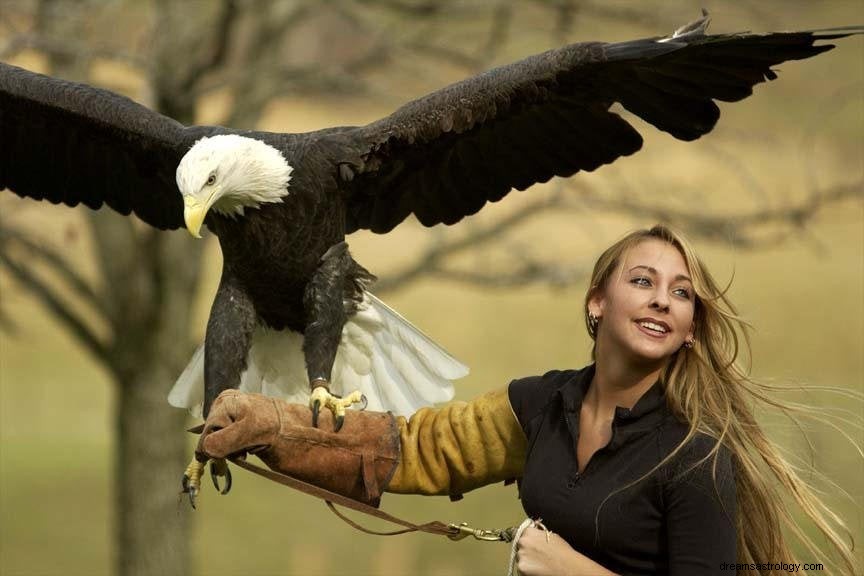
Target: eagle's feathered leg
pixel 333 293
pixel 229 337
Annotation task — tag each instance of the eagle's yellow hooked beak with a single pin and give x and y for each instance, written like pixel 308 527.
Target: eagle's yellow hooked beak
pixel 194 213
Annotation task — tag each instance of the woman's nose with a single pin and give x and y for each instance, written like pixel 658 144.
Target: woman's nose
pixel 660 302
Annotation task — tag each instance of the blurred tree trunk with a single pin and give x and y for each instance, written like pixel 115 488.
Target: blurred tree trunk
pixel 148 281
pixel 153 528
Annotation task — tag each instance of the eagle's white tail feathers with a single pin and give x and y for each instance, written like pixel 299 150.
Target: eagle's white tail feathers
pixel 397 367
pixel 188 391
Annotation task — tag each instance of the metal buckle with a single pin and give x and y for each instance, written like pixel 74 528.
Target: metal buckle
pixel 461 531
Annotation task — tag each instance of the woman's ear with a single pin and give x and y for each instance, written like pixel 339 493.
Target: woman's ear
pixel 691 334
pixel 596 302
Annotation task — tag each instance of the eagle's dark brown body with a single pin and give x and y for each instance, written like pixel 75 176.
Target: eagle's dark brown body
pixel 285 267
pixel 274 251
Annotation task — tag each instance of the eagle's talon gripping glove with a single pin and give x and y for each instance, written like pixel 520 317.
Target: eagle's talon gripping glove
pixel 356 462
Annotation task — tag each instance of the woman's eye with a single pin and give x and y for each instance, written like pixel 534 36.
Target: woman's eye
pixel 641 281
pixel 682 292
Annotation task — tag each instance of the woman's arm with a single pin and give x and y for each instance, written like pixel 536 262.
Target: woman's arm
pixel 459 447
pixel 700 514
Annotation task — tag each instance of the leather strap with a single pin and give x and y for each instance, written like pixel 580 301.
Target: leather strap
pixel 331 498
pixel 370 481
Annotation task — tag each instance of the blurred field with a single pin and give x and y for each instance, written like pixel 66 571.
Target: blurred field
pixel 805 300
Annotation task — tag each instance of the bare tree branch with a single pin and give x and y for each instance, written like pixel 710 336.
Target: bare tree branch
pixel 737 228
pixel 574 8
pixel 64 48
pixel 52 301
pixel 39 252
pixel 831 107
pixel 501 17
pixel 433 256
pixel 749 230
pixel 528 273
pixel 407 8
pixel 220 39
pixel 499 28
pixel 256 86
pixel 736 167
pixel 447 54
pixel 7 323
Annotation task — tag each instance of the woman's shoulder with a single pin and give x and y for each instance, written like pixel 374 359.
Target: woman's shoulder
pixel 673 432
pixel 530 396
pixel 701 454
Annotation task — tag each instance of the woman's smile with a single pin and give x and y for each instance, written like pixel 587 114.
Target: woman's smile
pixel 653 328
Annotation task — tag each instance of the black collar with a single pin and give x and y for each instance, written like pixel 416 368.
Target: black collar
pixel 648 412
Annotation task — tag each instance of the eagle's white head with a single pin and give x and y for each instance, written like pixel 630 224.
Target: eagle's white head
pixel 230 173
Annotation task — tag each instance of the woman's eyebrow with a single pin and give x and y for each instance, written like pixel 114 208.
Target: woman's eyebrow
pixel 654 272
pixel 648 268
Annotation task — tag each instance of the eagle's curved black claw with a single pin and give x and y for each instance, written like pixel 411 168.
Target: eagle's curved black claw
pixel 215 477
pixel 228 482
pixel 364 401
pixel 316 408
pixel 340 419
pixel 190 490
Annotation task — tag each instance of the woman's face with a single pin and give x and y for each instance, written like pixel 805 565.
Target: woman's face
pixel 646 310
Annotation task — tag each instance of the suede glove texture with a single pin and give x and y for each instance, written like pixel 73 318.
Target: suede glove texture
pixel 357 462
pixel 459 447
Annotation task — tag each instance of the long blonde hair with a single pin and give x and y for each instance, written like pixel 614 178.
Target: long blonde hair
pixel 707 388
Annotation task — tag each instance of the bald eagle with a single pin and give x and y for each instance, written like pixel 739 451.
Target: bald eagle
pixel 292 311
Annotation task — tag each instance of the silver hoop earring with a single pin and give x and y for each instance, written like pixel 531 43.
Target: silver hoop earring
pixel 593 322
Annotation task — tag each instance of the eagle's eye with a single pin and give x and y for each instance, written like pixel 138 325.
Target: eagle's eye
pixel 211 179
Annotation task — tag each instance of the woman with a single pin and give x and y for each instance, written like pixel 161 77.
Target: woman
pixel 648 461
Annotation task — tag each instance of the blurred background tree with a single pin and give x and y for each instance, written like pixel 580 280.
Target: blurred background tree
pixel 135 298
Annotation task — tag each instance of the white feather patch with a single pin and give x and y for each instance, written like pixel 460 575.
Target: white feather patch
pixel 188 390
pixel 395 365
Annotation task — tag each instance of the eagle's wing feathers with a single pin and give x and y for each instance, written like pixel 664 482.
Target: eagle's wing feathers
pixel 443 156
pixel 73 143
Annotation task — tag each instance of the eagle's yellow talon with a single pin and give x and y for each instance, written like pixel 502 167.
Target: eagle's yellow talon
pixel 354 398
pixel 192 479
pixel 321 397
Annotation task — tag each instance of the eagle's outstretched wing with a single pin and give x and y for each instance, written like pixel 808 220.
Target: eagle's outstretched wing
pixel 73 143
pixel 443 156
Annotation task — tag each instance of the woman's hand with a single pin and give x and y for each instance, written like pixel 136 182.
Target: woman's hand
pixel 535 556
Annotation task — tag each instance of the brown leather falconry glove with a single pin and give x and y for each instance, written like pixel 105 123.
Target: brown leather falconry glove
pixel 357 461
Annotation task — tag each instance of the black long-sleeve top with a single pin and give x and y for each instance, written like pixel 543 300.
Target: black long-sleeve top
pixel 679 521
